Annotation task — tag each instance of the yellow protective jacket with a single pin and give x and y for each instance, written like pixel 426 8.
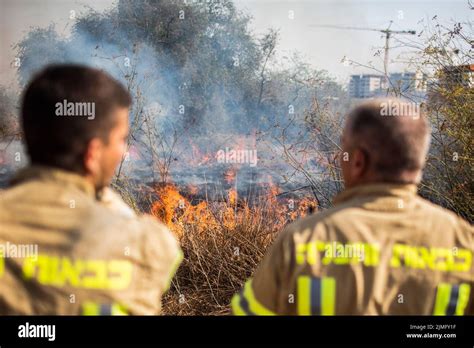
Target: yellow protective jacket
pixel 381 249
pixel 64 250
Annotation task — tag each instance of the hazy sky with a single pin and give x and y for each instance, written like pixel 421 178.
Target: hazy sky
pixel 322 47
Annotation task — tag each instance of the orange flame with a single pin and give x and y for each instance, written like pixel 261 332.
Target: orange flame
pixel 180 215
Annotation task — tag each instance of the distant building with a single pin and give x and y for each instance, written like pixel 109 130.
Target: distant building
pixel 450 79
pixel 365 86
pixel 372 85
pixel 459 75
pixel 408 82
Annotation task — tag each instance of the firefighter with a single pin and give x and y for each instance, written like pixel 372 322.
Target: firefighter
pixel 381 249
pixel 68 243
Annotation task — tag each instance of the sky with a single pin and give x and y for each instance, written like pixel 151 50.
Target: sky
pixel 296 20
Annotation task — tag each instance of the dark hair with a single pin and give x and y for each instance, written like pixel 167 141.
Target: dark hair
pixel 60 141
pixel 396 143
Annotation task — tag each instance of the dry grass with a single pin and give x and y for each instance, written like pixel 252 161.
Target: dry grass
pixel 223 242
pixel 215 266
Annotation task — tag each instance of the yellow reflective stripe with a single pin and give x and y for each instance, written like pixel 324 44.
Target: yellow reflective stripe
pixel 463 298
pixel 254 306
pixel 174 268
pixel 328 296
pixel 316 296
pixel 304 295
pixel 90 308
pixel 2 266
pixel 118 309
pixel 443 294
pixel 236 309
pixel 93 308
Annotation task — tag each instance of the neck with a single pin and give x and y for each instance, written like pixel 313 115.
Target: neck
pixel 89 178
pixel 413 177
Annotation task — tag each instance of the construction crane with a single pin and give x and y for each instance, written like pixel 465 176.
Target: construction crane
pixel 388 33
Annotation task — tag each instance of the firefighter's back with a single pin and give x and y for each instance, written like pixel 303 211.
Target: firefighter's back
pixel 385 250
pixel 381 248
pixel 65 253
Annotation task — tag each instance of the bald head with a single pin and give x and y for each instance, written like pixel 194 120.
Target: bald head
pixel 391 137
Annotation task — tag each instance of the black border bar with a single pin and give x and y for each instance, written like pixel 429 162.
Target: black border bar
pixel 349 330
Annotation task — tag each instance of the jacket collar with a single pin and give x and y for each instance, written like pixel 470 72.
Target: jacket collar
pixel 377 190
pixel 60 176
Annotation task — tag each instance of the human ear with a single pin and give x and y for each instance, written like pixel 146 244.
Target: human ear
pixel 360 162
pixel 92 156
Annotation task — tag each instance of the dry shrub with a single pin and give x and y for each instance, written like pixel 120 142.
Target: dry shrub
pixel 222 242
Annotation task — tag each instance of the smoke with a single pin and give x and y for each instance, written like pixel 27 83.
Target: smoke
pixel 198 81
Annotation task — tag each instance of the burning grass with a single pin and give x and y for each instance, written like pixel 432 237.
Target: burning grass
pixel 222 242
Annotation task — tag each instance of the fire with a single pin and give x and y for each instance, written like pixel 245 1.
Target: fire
pixel 170 200
pixel 232 194
pixel 229 175
pixel 273 189
pixel 305 207
pixel 192 189
pixel 177 212
pixel 198 158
